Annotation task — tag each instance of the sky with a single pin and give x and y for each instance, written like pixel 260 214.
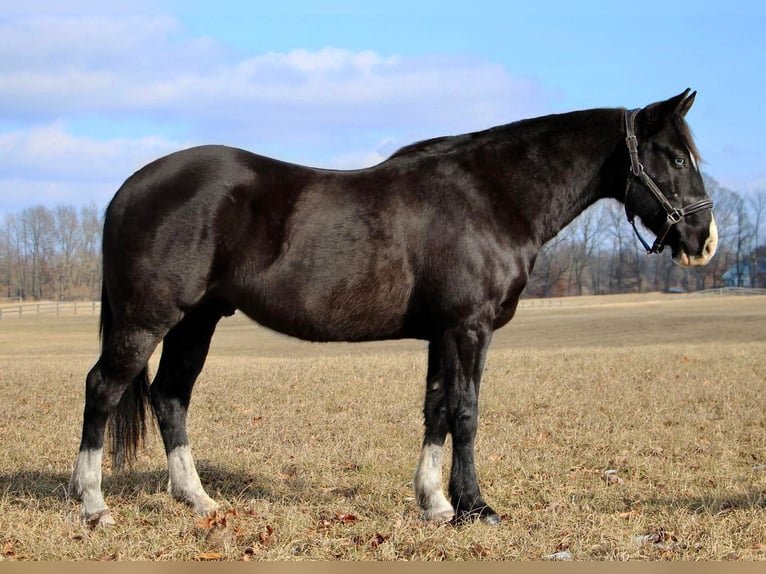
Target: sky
pixel 90 92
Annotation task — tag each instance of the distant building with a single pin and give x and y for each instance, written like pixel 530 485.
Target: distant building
pixel 749 273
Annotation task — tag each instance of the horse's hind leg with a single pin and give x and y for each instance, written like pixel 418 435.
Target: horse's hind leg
pixel 183 354
pixel 123 360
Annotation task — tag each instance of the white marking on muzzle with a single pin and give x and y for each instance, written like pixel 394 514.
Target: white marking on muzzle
pixel 708 249
pixel 711 244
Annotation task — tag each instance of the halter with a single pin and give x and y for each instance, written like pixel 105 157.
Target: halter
pixel 674 215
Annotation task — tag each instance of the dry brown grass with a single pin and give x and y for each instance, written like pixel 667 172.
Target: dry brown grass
pixel 311 448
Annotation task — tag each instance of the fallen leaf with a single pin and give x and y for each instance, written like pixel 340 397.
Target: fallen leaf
pixel 760 547
pixel 248 554
pixel 108 557
pixel 377 540
pixel 207 556
pixel 267 538
pixel 479 550
pixel 212 520
pixel 9 548
pixel 345 518
pixel 661 535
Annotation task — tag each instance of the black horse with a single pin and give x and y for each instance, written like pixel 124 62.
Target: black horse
pixel 435 243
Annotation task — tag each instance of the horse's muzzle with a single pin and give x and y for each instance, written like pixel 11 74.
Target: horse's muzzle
pixel 705 255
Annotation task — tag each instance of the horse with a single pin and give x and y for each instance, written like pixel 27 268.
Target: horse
pixel 435 243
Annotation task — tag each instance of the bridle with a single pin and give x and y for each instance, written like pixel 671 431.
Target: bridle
pixel 674 214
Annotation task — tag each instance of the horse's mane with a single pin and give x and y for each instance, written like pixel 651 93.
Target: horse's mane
pixel 447 143
pixel 685 133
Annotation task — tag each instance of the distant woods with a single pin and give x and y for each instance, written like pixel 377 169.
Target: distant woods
pixel 55 253
pixel 51 253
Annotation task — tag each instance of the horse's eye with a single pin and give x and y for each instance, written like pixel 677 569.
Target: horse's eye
pixel 680 162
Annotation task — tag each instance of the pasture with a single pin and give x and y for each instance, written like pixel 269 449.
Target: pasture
pixel 616 429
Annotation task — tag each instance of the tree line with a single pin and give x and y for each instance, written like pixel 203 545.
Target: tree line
pixel 51 253
pixel 55 254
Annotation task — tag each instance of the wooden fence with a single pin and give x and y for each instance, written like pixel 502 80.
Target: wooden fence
pixel 50 309
pixel 86 308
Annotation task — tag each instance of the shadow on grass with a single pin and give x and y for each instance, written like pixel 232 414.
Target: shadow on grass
pixel 718 503
pixel 51 487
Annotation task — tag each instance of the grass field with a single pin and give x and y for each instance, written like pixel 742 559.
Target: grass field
pixel 310 448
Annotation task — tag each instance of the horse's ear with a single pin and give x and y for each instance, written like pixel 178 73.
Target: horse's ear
pixel 655 116
pixel 686 105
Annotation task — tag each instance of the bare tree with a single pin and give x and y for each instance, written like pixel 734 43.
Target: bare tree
pixel 743 244
pixel 6 266
pixel 757 203
pixel 584 234
pixel 549 270
pixel 91 225
pixel 67 240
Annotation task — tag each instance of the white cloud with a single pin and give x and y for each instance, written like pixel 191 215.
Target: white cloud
pixel 149 66
pixel 87 99
pixel 49 165
pixel 47 151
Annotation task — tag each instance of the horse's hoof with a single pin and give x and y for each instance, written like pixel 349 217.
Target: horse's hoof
pixel 442 517
pixel 484 514
pixel 100 519
pixel 491 519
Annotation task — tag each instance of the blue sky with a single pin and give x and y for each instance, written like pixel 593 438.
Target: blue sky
pixel 90 93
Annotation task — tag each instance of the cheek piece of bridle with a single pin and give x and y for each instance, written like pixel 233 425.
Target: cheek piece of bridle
pixel 674 214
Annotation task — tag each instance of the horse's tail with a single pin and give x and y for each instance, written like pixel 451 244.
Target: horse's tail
pixel 127 421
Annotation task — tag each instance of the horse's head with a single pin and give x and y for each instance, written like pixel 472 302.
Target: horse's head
pixel 665 186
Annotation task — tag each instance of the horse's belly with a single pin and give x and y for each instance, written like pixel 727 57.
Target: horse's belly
pixel 331 306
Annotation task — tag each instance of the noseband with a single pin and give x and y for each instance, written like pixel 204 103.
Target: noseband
pixel 674 215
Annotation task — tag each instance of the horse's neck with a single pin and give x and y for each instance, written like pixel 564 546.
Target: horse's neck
pixel 571 169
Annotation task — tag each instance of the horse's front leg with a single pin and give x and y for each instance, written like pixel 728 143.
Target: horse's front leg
pixel 464 353
pixel 428 476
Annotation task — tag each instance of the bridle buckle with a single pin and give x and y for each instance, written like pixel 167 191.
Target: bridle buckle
pixel 675 216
